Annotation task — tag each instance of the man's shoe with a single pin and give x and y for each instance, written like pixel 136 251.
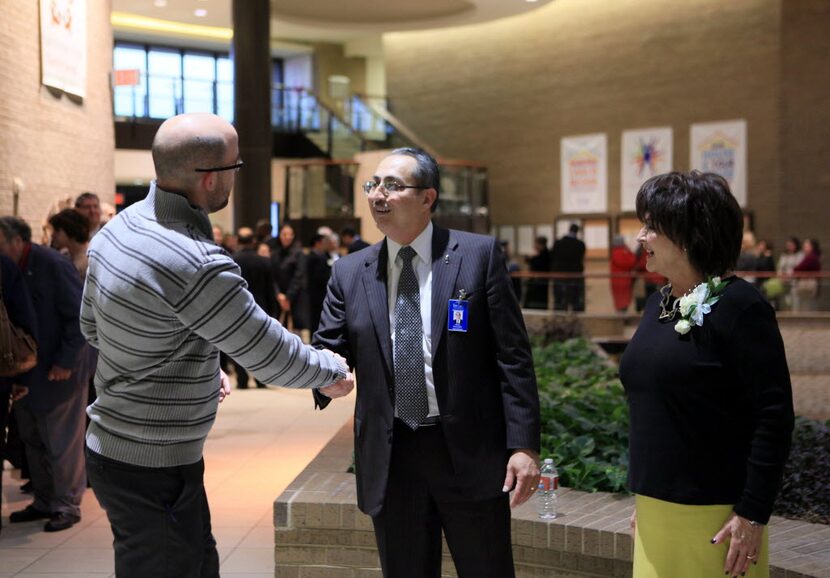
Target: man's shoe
pixel 61 521
pixel 28 514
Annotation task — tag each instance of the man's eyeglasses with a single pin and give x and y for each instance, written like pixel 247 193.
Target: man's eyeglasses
pixel 235 167
pixel 387 187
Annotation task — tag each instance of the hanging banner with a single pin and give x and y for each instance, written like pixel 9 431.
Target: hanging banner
pixel 720 147
pixel 63 45
pixel 584 161
pixel 645 153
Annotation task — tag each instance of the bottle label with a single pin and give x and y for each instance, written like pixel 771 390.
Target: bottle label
pixel 548 483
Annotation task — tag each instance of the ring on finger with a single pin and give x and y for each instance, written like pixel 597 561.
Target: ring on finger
pixel 750 557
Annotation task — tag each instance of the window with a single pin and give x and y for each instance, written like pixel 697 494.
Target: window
pixel 199 82
pixel 164 68
pixel 129 99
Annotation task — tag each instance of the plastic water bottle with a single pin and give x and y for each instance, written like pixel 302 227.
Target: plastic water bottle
pixel 546 493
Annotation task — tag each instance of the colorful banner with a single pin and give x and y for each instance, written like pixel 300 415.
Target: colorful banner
pixel 584 166
pixel 720 147
pixel 63 45
pixel 645 153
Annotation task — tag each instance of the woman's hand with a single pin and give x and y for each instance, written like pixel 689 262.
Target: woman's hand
pixel 744 543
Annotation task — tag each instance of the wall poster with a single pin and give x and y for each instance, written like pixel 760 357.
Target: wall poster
pixel 645 153
pixel 584 166
pixel 63 45
pixel 720 147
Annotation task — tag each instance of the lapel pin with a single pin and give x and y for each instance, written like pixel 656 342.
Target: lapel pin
pixel 447 259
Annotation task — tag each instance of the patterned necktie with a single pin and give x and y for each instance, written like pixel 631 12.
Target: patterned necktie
pixel 410 381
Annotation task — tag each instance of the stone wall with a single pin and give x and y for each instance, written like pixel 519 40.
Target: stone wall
pixel 320 533
pixel 58 146
pixel 504 93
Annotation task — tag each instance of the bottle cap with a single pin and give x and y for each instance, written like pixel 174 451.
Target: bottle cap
pixel 548 460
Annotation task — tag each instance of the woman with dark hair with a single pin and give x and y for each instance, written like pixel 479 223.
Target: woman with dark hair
pixel 708 389
pixel 807 288
pixel 70 233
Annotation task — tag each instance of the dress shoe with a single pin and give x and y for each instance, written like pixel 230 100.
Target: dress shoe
pixel 28 514
pixel 61 521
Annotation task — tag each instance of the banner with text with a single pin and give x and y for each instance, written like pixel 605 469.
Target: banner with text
pixel 720 147
pixel 584 161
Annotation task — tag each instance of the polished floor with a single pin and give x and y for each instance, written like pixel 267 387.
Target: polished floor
pixel 261 440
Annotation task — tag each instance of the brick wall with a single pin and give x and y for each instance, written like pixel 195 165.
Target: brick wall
pixel 58 146
pixel 505 92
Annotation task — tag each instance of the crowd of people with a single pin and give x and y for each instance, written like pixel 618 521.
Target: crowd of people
pixel 447 418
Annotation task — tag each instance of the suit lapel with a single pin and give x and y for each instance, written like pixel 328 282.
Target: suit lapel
pixel 374 282
pixel 446 263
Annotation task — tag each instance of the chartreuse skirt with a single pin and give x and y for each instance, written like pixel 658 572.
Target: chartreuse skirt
pixel 674 541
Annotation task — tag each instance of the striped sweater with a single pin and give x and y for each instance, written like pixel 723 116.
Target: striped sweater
pixel 160 298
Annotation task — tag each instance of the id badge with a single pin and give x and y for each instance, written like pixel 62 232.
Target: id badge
pixel 457 315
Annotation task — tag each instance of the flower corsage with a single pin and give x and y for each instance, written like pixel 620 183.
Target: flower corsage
pixel 697 303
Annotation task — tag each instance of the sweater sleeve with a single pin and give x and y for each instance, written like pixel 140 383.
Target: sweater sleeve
pixel 756 350
pixel 218 308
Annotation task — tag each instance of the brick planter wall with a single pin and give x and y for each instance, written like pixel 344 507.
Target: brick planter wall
pixel 320 533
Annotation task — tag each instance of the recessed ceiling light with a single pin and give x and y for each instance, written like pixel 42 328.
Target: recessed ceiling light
pixel 160 3
pixel 531 1
pixel 200 12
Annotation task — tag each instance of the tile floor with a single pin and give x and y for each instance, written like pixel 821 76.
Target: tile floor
pixel 261 440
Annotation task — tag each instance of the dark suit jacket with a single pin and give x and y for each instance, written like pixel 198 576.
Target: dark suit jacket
pixel 568 255
pixel 257 272
pixel 357 245
pixel 55 290
pixel 318 272
pixel 484 378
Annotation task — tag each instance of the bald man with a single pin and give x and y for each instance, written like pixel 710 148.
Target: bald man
pixel 161 300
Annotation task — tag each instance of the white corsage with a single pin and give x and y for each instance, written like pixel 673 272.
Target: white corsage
pixel 697 303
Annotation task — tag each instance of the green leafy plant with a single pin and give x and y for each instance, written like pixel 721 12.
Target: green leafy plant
pixel 584 415
pixel 805 493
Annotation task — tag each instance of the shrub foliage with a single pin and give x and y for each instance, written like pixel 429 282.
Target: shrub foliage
pixel 805 494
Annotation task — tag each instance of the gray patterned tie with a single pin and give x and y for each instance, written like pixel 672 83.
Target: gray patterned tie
pixel 410 381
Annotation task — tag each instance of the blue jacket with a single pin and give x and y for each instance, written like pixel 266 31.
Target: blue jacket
pixel 56 294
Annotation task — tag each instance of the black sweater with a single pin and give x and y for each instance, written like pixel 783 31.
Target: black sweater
pixel 711 411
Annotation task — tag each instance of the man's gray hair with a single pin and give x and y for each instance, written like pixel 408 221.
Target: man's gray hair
pixel 426 173
pixel 12 227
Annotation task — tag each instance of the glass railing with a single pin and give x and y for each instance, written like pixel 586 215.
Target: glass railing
pixel 604 293
pixel 159 97
pixel 463 203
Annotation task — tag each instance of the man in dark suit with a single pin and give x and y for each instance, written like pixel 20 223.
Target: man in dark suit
pixel 257 272
pixel 51 416
pixel 447 411
pixel 568 256
pixel 351 240
pixel 318 272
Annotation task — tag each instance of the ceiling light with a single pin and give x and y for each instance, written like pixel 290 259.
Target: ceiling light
pixel 159 3
pixel 200 12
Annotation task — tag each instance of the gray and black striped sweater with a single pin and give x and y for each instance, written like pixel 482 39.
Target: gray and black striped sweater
pixel 160 298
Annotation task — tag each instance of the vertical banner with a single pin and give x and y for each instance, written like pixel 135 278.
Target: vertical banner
pixel 584 168
pixel 720 147
pixel 63 45
pixel 645 153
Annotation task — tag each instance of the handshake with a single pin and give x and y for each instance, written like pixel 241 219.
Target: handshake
pixel 344 386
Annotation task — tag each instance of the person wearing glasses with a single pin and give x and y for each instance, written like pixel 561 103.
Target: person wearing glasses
pixel 161 300
pixel 447 413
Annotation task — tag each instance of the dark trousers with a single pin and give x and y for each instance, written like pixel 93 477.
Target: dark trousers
pixel 5 406
pixel 160 518
pixel 422 499
pixel 54 441
pixel 242 376
pixel 569 294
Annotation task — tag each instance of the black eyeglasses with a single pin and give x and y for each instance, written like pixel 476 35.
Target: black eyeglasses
pixel 235 167
pixel 387 187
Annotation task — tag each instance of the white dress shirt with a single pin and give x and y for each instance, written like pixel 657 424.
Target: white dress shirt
pixel 422 265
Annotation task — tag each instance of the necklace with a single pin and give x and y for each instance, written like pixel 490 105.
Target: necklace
pixel 665 311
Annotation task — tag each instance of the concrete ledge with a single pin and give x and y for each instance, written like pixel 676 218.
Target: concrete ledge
pixel 320 533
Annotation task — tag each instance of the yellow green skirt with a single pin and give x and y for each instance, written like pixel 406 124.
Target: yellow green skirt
pixel 674 540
